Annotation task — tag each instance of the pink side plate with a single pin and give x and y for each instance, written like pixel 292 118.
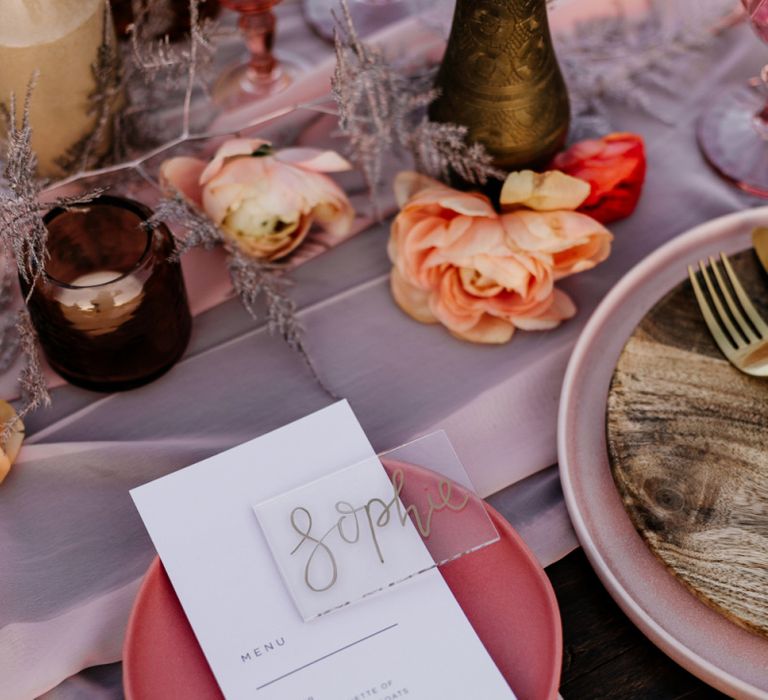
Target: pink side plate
pixel 502 589
pixel 707 644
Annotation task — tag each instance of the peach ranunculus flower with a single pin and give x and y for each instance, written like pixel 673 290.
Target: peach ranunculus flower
pixel 575 241
pixel 482 274
pixel 264 201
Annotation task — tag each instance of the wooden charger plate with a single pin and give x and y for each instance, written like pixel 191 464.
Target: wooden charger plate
pixel 688 447
pixel 694 634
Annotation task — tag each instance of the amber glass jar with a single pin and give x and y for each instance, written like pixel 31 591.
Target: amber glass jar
pixel 111 309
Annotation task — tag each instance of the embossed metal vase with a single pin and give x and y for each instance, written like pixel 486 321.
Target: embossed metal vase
pixel 500 78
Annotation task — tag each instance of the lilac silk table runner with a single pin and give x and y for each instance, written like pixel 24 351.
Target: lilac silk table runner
pixel 72 547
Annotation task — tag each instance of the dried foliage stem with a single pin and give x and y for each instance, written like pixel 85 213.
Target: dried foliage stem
pixel 9 339
pixel 24 233
pixel 24 237
pixel 252 279
pixel 381 109
pixel 34 391
pixel 103 101
pixel 161 59
pixel 196 40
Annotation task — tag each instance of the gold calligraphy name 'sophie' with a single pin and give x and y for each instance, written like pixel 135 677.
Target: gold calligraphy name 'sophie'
pixel 348 529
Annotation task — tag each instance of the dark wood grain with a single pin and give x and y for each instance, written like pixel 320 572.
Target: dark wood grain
pixel 605 656
pixel 688 444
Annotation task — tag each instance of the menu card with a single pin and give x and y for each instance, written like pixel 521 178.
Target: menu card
pixel 411 641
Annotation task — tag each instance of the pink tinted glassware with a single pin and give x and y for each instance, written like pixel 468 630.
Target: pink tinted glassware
pixel 263 74
pixel 733 131
pixel 758 13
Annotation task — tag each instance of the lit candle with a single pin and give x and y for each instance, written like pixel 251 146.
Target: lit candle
pixel 111 310
pixel 100 302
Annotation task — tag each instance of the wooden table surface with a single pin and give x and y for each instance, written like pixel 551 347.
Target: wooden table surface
pixel 604 655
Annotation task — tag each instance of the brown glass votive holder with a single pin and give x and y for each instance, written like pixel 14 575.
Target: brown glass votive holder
pixel 111 308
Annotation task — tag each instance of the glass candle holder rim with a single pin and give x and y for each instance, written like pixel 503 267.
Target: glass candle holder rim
pixel 142 211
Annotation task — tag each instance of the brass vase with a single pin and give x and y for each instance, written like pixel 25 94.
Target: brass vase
pixel 501 79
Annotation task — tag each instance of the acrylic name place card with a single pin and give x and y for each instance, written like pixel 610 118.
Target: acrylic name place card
pixel 413 641
pixel 366 528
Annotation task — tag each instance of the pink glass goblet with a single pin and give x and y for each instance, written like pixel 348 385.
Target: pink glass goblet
pixel 263 75
pixel 733 131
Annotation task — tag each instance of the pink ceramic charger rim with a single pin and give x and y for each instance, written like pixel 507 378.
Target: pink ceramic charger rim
pixel 557 628
pixel 505 530
pixel 133 623
pixel 502 525
pixel 695 636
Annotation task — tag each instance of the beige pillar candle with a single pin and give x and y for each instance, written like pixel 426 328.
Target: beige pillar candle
pixel 60 39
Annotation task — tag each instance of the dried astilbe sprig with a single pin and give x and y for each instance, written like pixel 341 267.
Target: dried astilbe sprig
pixel 160 60
pixel 253 280
pixel 108 76
pixel 200 231
pixel 440 149
pixel 155 16
pixel 23 231
pixel 23 235
pixel 365 88
pixel 34 390
pixel 156 58
pixel 9 339
pixel 381 109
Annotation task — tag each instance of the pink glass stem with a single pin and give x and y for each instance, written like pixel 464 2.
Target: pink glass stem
pixel 262 75
pixel 758 14
pixel 258 28
pixel 760 120
pixel 733 129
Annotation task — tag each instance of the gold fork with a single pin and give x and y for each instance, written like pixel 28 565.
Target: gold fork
pixel 740 332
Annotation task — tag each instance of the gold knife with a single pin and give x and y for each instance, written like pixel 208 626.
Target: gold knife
pixel 760 241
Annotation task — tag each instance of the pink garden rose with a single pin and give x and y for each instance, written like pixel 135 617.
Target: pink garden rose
pixel 482 274
pixel 264 201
